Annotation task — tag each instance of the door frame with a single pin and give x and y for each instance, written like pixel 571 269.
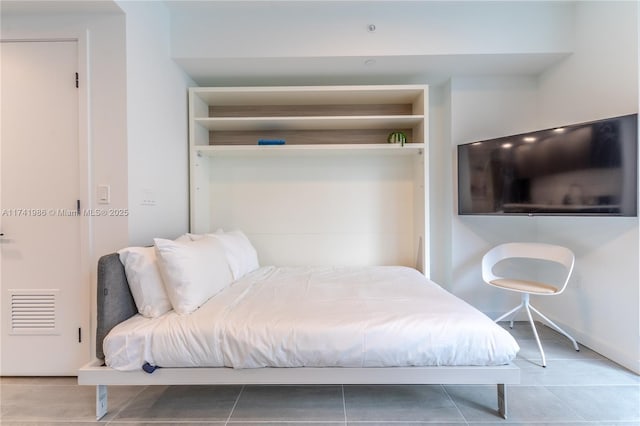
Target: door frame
pixel 85 181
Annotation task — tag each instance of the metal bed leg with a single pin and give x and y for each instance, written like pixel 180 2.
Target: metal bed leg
pixel 502 400
pixel 101 401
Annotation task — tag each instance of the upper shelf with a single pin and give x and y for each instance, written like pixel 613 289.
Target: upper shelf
pixel 358 118
pixel 309 123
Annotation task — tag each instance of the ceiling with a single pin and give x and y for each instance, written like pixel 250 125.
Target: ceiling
pixel 53 7
pixel 210 70
pixel 332 44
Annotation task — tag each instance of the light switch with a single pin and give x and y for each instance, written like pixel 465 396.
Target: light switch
pixel 148 197
pixel 104 194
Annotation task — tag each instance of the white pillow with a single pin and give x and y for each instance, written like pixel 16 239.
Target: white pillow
pixel 145 281
pixel 241 254
pixel 193 271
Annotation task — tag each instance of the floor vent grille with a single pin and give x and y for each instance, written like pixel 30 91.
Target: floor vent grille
pixel 34 311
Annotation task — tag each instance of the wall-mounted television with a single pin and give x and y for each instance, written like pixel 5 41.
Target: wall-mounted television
pixel 586 169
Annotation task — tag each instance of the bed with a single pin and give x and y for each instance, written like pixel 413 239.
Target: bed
pixel 300 325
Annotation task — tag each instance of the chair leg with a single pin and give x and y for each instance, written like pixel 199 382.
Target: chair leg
pixel 525 299
pixel 511 313
pixel 557 328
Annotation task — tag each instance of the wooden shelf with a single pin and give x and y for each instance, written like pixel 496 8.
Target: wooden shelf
pixel 309 123
pixel 333 149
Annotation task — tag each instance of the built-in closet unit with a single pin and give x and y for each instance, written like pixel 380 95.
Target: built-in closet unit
pixel 336 192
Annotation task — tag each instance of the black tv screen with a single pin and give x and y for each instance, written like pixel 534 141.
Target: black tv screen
pixel 579 170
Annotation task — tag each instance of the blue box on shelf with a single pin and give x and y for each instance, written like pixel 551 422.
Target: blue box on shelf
pixel 271 141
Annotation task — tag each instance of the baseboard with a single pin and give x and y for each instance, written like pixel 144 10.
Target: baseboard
pixel 628 361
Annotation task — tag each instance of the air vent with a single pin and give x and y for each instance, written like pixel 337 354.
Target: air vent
pixel 34 311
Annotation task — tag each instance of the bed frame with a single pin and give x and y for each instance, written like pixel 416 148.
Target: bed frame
pixel 115 304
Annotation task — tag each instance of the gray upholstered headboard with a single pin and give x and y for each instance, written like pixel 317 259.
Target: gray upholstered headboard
pixel 115 302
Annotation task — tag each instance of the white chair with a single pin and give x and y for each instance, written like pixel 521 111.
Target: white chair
pixel 546 252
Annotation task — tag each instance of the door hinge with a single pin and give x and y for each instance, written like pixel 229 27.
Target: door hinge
pixel 78 207
pixel 79 334
pixel 77 80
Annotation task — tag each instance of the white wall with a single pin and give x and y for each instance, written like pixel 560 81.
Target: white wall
pixel 483 108
pixel 156 127
pixel 137 120
pixel 600 79
pixel 440 193
pixel 107 120
pixel 107 156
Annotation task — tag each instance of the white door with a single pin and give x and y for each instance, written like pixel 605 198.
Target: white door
pixel 44 300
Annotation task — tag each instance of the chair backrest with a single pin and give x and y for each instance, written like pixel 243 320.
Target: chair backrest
pixel 540 251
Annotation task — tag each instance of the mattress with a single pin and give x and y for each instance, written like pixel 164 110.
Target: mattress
pixel 386 316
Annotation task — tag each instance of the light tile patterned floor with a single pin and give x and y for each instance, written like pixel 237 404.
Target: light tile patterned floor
pixel 576 388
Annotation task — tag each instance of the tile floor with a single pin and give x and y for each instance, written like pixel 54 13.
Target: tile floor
pixel 576 388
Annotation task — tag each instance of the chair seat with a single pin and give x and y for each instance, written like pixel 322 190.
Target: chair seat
pixel 525 286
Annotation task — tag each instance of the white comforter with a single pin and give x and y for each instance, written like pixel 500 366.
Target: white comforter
pixel 317 317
